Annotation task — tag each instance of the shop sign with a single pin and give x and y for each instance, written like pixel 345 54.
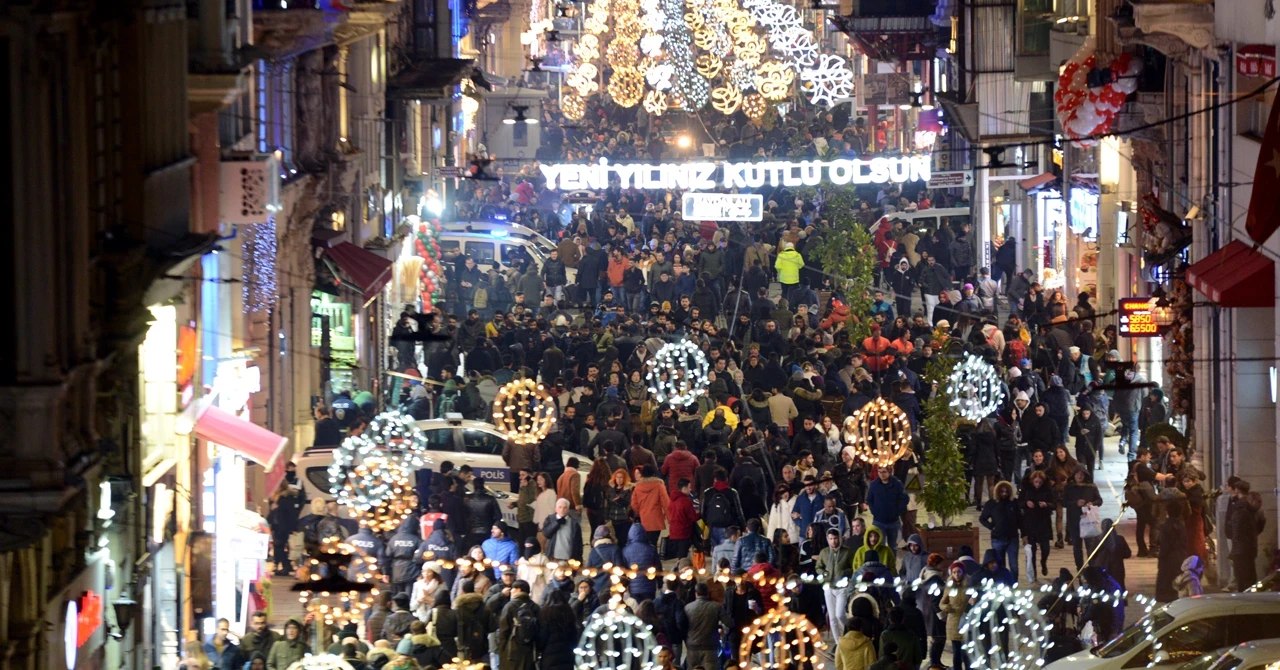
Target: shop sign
pixel 722 207
pixel 1256 60
pixel 709 176
pixel 83 619
pixel 951 179
pixel 1136 319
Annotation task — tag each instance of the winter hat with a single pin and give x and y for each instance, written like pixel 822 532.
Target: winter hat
pixel 451 385
pixel 788 245
pixel 1014 373
pixel 418 391
pixel 944 324
pixel 1055 380
pixel 602 532
pixel 968 287
pixel 1022 395
pixel 1073 350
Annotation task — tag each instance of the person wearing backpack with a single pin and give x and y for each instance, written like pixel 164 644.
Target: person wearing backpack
pixel 518 630
pixel 720 506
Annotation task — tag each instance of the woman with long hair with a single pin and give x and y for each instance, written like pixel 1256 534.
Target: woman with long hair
pixel 1062 467
pixel 595 494
pixel 810 548
pixel 545 504
pixel 832 432
pixel 786 556
pixel 195 658
pixel 558 633
pixel 618 500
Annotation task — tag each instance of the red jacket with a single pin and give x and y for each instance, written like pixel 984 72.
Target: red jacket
pixel 878 356
pixel 766 589
pixel 679 463
pixel 681 517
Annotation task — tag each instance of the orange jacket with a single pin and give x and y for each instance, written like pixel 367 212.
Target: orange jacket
pixel 650 500
pixel 569 487
pixel 616 269
pixel 877 347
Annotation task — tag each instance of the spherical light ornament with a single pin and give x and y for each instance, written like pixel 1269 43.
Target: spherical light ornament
pixel 880 433
pixel 626 87
pixel 399 500
pixel 573 107
pixel 524 411
pixel 726 99
pixel 974 389
pixel 340 584
pixel 390 438
pixel 622 55
pixel 754 106
pixel 616 640
pixel 780 639
pixel 742 76
pixel 1005 629
pixel 655 103
pixel 678 374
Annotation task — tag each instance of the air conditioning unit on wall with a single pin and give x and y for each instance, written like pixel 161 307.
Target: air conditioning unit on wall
pixel 249 188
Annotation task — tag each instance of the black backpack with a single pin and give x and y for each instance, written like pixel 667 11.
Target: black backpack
pixel 718 512
pixel 525 628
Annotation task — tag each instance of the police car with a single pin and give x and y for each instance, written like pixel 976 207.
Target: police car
pixel 459 441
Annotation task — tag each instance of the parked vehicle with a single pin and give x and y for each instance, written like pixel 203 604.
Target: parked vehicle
pixel 1182 631
pixel 1255 655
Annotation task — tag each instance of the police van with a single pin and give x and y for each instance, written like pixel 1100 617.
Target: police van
pixel 459 441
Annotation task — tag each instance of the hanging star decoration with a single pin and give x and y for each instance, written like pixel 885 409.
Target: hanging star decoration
pixel 524 411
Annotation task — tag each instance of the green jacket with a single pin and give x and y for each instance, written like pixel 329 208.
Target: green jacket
pixel 834 565
pixel 711 261
pixel 887 555
pixel 524 503
pixel 788 265
pixel 285 653
pixel 910 647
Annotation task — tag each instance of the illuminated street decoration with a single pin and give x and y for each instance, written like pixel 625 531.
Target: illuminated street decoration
pixel 880 433
pixel 780 639
pixel 709 176
pixel 616 640
pixel 524 411
pixel 829 81
pixel 975 389
pixel 678 374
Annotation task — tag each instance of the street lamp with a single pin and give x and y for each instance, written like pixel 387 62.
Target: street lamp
pixel 1162 310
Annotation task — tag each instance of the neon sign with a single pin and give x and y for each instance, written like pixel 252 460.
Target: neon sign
pixel 722 206
pixel 1136 319
pixel 82 620
pixel 702 176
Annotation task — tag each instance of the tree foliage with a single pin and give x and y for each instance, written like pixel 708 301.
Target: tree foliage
pixel 847 254
pixel 943 468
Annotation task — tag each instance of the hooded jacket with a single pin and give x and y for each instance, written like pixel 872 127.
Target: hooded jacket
pixel 367 545
pixel 640 555
pixel 1037 520
pixel 1188 583
pixel 285 652
pixel 929 598
pixel 1000 515
pixel 681 517
pixel 913 564
pixel 788 265
pixel 604 550
pixel 986 577
pixel 855 651
pixel 886 553
pixel 955 603
pixel 650 500
pixel 475 622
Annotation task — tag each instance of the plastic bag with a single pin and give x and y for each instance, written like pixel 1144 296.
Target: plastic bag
pixel 1090 522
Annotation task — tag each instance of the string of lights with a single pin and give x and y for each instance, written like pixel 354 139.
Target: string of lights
pixel 678 373
pixel 879 433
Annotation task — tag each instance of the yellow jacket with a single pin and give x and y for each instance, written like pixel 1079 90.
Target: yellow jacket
pixel 730 418
pixel 855 651
pixel 788 265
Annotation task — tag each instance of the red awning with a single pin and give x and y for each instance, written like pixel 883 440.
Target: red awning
pixel 368 271
pixel 244 437
pixel 1038 181
pixel 1235 276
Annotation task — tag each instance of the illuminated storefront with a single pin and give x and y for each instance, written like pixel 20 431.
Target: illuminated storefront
pixel 334 336
pixel 1068 258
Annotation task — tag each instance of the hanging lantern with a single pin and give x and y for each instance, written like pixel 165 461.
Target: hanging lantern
pixel 678 374
pixel 879 433
pixel 974 389
pixel 1162 310
pixel 524 411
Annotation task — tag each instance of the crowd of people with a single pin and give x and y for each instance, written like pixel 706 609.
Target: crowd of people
pixel 753 478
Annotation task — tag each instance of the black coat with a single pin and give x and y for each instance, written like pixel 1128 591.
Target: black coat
pixel 1071 495
pixel 556 645
pixel 982 453
pixel 1037 521
pixel 1173 551
pixel 1001 518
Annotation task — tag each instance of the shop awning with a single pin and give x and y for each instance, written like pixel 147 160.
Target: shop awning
pixel 366 271
pixel 1235 276
pixel 1038 182
pixel 244 437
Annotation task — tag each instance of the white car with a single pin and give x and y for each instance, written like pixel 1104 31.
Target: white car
pixel 1256 655
pixel 504 229
pixel 1182 631
pixel 459 441
pixel 498 244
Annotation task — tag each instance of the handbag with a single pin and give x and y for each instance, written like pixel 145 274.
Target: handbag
pixel 1090 522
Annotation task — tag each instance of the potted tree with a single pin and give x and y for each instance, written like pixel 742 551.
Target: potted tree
pixel 943 491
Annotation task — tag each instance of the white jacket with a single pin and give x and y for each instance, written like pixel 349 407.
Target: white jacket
pixel 780 517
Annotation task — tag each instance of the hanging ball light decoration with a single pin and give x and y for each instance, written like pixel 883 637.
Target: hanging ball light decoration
pixel 573 107
pixel 390 436
pixel 880 433
pixel 626 86
pixel 524 411
pixel 678 373
pixel 616 640
pixel 398 502
pixel 754 106
pixel 780 639
pixel 1006 629
pixel 975 389
pixel 340 584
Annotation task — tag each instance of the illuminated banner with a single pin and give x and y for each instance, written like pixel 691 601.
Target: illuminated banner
pixel 707 176
pixel 1136 319
pixel 722 207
